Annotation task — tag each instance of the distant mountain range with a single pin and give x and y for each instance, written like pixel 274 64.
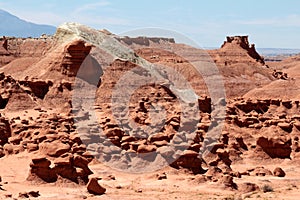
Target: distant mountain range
pixel 277 51
pixel 11 25
pixel 277 54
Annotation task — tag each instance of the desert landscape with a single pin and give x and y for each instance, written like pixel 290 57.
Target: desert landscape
pixel 87 114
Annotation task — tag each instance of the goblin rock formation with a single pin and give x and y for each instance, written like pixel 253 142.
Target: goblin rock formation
pixel 46 108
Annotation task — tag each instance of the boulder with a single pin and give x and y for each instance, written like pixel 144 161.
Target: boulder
pixel 40 162
pixel 227 181
pixel 189 160
pixel 279 172
pixel 161 176
pixel 82 162
pixel 64 160
pixel 5 131
pixel 34 194
pixel 261 171
pixel 8 149
pixel 213 173
pixel 247 187
pixel 54 149
pixel 276 147
pixel 285 126
pixel 158 137
pixel 32 147
pixel 94 187
pixel 166 151
pixel 146 148
pixel 40 169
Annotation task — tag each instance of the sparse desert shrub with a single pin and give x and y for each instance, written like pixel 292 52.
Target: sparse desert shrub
pixel 267 188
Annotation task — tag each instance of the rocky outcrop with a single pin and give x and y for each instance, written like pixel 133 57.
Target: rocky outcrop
pixel 14 48
pixel 13 95
pixel 276 147
pixel 93 187
pixel 4 47
pixel 38 88
pixel 243 42
pixel 266 128
pixel 259 113
pixel 75 53
pixel 27 47
pixel 260 171
pixel 72 167
pixel 236 49
pixel 144 41
pixel 248 187
pixel 279 172
pixel 40 168
pixel 5 131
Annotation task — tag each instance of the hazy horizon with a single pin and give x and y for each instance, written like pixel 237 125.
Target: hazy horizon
pixel 269 24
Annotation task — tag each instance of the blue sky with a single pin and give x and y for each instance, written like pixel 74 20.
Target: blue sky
pixel 269 23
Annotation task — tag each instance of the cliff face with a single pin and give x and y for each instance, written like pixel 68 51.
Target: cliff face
pixel 13 48
pixel 4 54
pixel 3 47
pixel 29 47
pixel 236 49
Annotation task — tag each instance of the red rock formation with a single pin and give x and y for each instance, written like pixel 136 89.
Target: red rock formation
pixel 3 47
pixel 144 41
pixel 276 148
pixel 5 131
pixel 237 49
pixel 75 53
pixel 93 187
pixel 255 129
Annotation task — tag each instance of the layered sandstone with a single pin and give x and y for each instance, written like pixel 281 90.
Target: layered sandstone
pixel 57 107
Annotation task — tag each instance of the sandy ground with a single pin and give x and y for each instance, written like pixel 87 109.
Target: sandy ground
pixel 178 185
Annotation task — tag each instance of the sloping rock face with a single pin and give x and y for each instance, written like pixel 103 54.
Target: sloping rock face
pixel 14 48
pixel 236 49
pixel 27 47
pixel 243 42
pixel 241 74
pixel 75 53
pixel 42 129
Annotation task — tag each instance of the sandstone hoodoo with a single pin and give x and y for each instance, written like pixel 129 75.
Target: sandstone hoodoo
pixel 67 112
